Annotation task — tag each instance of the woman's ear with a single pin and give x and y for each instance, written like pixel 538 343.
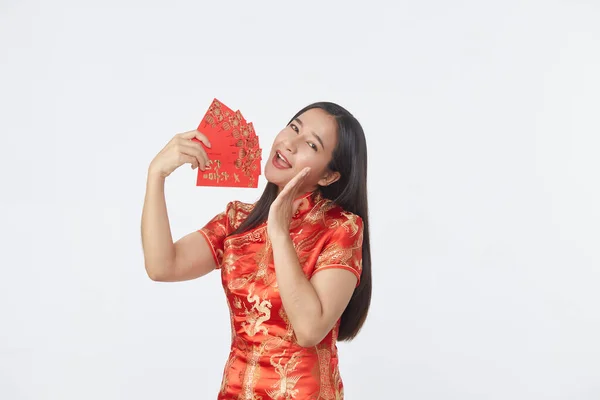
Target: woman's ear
pixel 329 178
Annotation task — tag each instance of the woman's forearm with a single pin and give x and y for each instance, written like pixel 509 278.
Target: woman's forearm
pixel 299 298
pixel 157 241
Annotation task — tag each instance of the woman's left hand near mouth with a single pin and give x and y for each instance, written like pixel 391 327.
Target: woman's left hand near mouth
pixel 284 206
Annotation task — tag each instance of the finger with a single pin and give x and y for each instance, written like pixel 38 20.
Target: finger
pixel 195 145
pixel 203 139
pixel 294 185
pixel 288 195
pixel 188 134
pixel 185 158
pixel 200 149
pixel 302 174
pixel 287 190
pixel 299 177
pixel 196 134
pixel 193 142
pixel 195 150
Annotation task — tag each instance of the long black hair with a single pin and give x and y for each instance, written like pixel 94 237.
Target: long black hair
pixel 349 192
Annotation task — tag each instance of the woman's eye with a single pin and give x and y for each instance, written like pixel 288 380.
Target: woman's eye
pixel 314 146
pixel 294 127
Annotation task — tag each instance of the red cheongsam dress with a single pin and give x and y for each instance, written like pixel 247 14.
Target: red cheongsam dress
pixel 265 361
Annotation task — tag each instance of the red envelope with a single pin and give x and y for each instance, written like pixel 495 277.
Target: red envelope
pixel 235 152
pixel 222 174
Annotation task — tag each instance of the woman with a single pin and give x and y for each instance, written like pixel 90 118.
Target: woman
pixel 295 265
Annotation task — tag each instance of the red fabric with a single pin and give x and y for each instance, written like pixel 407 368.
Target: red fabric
pixel 265 361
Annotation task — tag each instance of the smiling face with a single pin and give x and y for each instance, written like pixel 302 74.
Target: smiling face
pixel 308 141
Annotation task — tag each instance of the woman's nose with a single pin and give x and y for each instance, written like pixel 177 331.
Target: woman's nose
pixel 290 145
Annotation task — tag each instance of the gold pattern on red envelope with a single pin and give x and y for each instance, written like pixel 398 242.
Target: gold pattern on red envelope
pixel 235 154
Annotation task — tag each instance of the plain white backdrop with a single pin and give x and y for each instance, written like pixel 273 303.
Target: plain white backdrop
pixel 482 127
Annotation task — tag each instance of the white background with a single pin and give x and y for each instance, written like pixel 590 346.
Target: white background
pixel 482 126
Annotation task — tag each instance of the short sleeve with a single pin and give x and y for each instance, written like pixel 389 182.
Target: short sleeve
pixel 343 249
pixel 216 230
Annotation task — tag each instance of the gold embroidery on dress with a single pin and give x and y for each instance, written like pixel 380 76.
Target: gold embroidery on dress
pixel 238 283
pixel 337 384
pixel 336 254
pixel 231 321
pixel 236 245
pixel 237 303
pixel 325 390
pixel 304 247
pixel 285 388
pixel 263 259
pixel 349 225
pixel 276 341
pixel 229 261
pixel 238 213
pixel 318 213
pixel 253 236
pixel 231 213
pixel 259 313
pixel 252 374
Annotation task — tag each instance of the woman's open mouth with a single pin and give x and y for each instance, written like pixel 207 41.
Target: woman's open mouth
pixel 280 162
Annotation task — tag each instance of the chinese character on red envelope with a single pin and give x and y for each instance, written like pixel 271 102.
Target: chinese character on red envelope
pixel 235 154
